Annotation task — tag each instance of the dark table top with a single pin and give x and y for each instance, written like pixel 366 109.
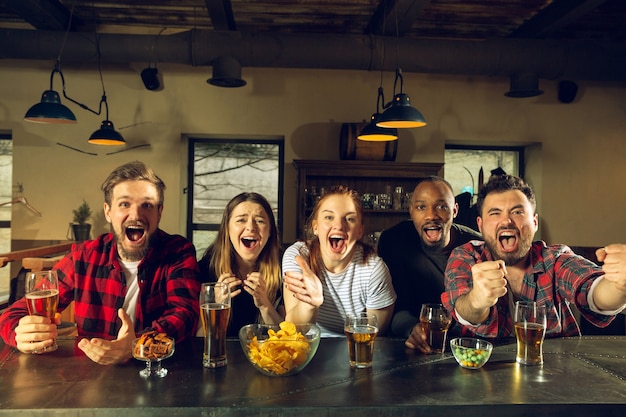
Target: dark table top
pixel 580 376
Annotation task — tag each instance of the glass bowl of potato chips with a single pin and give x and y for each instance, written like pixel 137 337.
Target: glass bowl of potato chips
pixel 279 349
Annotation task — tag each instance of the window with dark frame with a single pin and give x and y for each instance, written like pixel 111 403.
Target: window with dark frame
pixel 466 166
pixel 219 169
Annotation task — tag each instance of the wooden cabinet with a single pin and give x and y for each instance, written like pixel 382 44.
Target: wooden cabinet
pixel 366 177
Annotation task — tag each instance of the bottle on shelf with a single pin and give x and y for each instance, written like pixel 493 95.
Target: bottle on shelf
pixel 397 198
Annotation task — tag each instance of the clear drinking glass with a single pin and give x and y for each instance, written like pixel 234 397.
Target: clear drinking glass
pixel 42 296
pixel 435 321
pixel 530 329
pixel 361 330
pixel 214 313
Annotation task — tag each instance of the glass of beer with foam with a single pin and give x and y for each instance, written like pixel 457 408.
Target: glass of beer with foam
pixel 42 296
pixel 530 330
pixel 214 314
pixel 361 330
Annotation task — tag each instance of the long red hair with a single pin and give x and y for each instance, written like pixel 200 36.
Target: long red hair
pixel 316 262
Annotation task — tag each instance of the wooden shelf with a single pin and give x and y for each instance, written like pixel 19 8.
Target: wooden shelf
pixel 365 177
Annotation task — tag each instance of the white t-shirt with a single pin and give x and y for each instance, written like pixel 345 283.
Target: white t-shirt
pixel 359 287
pixel 132 291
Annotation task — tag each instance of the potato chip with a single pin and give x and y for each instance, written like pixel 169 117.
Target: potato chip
pixel 282 351
pixel 288 327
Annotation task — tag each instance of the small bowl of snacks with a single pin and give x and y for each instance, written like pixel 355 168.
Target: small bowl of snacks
pixel 279 349
pixel 152 347
pixel 471 353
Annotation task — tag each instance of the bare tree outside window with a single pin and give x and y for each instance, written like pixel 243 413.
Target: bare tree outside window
pixel 463 165
pixel 220 170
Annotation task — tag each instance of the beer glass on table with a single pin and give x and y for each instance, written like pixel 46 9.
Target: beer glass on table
pixel 435 321
pixel 42 296
pixel 361 330
pixel 530 329
pixel 214 314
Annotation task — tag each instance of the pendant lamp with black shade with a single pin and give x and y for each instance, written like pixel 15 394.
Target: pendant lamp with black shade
pixel 374 133
pixel 50 110
pixel 106 135
pixel 399 112
pixel 371 132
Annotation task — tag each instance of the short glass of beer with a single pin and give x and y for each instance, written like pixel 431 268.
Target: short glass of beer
pixel 530 330
pixel 214 314
pixel 435 321
pixel 42 296
pixel 361 330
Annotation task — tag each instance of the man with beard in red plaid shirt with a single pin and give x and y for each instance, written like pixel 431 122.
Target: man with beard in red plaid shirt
pixel 484 280
pixel 136 277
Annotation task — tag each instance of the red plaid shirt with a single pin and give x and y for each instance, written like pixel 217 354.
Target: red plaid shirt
pixel 92 277
pixel 556 278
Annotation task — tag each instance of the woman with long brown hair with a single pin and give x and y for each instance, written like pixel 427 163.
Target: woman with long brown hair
pixel 246 256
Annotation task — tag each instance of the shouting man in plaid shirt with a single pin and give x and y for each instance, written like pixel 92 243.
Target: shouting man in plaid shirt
pixel 484 279
pixel 134 278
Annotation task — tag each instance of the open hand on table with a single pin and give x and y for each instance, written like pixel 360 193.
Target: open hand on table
pixel 109 352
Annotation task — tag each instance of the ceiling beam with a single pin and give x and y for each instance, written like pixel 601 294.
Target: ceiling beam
pixel 383 22
pixel 555 17
pixel 602 61
pixel 41 14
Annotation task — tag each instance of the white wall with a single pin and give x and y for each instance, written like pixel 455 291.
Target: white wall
pixel 576 164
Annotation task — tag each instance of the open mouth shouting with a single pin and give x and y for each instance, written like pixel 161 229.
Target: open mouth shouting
pixel 337 242
pixel 133 242
pixel 135 233
pixel 508 240
pixel 250 242
pixel 433 232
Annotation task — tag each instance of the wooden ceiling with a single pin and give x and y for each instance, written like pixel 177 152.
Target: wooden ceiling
pixel 594 20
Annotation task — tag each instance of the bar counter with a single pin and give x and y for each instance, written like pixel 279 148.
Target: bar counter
pixel 580 377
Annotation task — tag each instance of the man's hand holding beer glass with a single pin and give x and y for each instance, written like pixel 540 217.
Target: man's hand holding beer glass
pixel 37 332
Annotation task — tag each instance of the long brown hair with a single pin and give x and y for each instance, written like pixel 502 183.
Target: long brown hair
pixel 316 263
pixel 224 257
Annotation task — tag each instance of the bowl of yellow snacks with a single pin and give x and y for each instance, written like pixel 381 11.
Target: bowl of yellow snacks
pixel 279 349
pixel 471 353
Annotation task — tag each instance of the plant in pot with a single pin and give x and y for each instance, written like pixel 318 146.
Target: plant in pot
pixel 79 225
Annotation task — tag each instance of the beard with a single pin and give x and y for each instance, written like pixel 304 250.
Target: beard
pixel 509 258
pixel 132 255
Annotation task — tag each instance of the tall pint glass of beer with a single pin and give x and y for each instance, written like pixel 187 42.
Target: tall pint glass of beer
pixel 361 330
pixel 530 330
pixel 42 296
pixel 214 314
